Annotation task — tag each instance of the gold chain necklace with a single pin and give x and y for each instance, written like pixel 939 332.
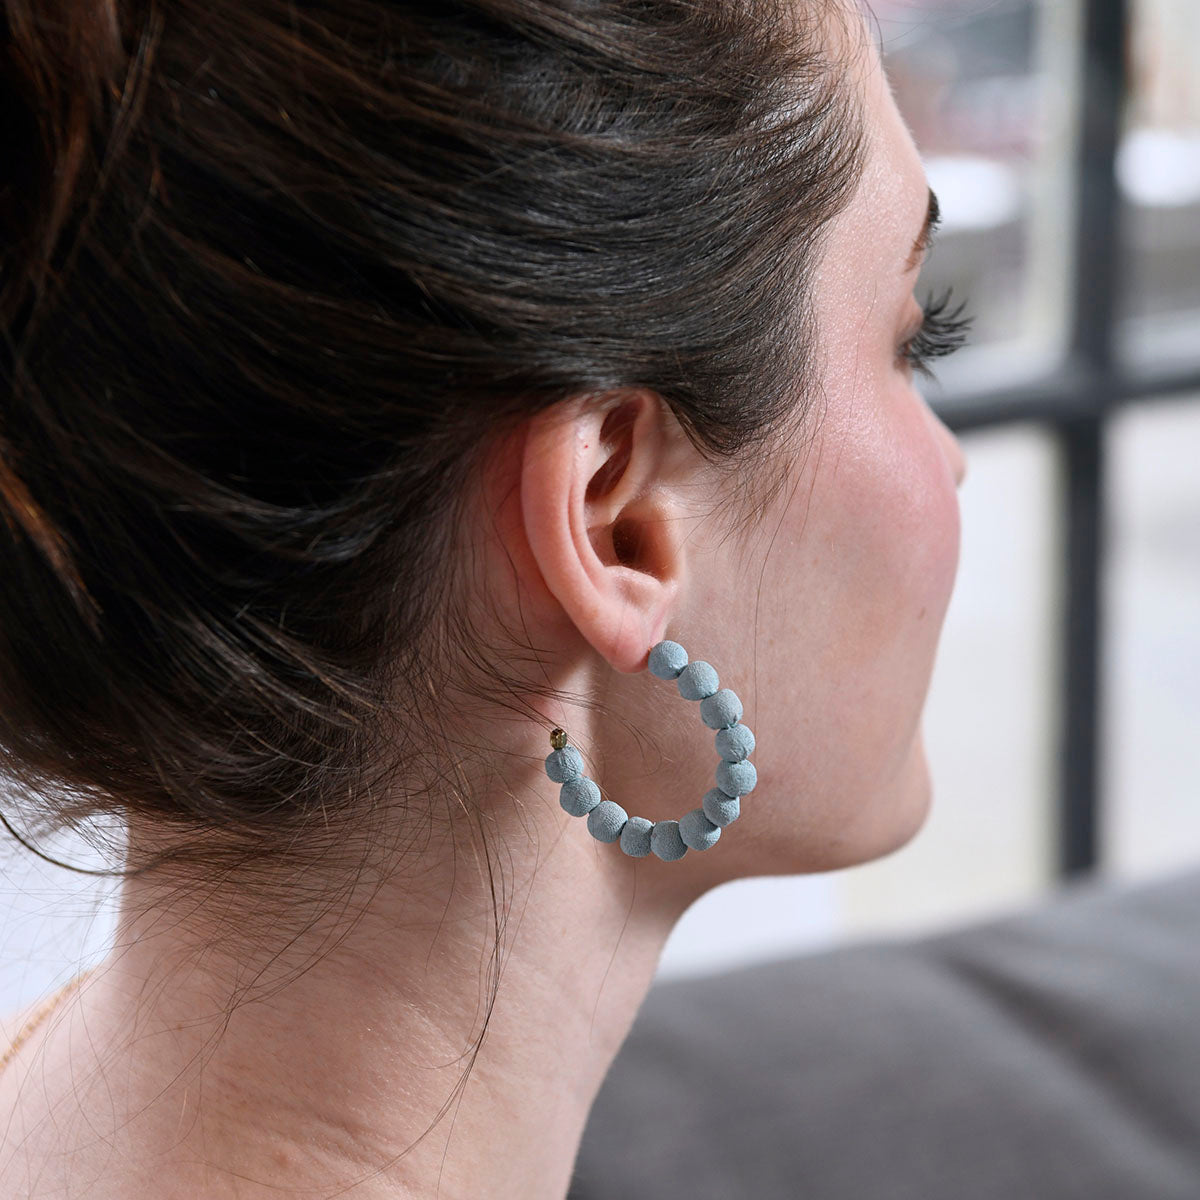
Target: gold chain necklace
pixel 38 1017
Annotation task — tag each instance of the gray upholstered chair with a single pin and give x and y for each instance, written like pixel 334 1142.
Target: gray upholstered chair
pixel 1050 1055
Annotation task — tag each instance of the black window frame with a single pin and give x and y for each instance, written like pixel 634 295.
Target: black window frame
pixel 1075 401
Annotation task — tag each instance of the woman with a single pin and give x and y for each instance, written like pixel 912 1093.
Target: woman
pixel 385 381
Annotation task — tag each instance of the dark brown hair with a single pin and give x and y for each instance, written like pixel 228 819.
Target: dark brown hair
pixel 276 273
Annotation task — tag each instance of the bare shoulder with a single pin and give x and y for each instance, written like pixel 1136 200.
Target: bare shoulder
pixel 13 1021
pixel 27 1085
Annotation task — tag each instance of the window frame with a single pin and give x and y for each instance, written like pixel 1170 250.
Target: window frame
pixel 1075 400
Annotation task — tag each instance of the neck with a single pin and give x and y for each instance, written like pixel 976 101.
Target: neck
pixel 346 1058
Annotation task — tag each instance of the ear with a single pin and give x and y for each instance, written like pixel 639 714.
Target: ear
pixel 602 521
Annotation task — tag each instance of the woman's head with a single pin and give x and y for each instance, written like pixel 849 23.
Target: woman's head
pixel 823 612
pixel 382 381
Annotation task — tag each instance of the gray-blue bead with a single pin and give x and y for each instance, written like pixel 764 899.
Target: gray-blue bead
pixel 721 709
pixel 565 764
pixel 698 680
pixel 606 821
pixel 667 659
pixel 736 778
pixel 697 831
pixel 579 796
pixel 735 743
pixel 635 837
pixel 666 842
pixel 721 809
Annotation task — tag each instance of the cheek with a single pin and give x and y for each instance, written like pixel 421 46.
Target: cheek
pixel 919 500
pixel 874 538
pixel 895 509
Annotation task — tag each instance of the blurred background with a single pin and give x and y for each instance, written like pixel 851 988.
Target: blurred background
pixel 1063 724
pixel 1063 140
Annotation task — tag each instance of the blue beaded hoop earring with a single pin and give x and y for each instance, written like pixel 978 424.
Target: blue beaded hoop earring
pixel 607 821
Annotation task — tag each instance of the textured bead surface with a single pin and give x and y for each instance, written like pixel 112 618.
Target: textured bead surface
pixel 736 778
pixel 564 764
pixel 667 659
pixel 579 796
pixel 635 837
pixel 666 842
pixel 735 743
pixel 698 680
pixel 697 831
pixel 721 709
pixel 721 809
pixel 606 821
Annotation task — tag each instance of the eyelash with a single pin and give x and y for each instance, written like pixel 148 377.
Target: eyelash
pixel 941 333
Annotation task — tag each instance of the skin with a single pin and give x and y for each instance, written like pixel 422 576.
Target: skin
pixel 595 528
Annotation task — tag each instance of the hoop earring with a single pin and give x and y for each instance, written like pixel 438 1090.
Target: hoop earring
pixel 607 821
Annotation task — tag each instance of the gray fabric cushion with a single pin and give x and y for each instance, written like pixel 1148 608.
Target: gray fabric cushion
pixel 1051 1054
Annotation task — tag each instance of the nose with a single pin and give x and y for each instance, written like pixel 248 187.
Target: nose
pixel 958 459
pixel 952 448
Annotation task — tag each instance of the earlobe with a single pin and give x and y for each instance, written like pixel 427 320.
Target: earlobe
pixel 602 522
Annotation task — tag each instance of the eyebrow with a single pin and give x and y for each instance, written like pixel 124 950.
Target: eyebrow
pixel 933 215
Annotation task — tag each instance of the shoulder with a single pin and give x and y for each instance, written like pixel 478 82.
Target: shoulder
pixel 24 1021
pixel 13 1021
